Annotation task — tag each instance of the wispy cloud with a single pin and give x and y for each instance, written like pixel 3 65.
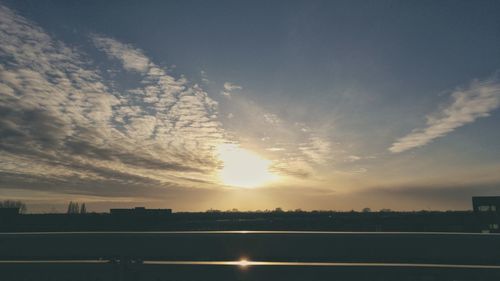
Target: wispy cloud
pixel 229 88
pixel 466 106
pixel 272 119
pixel 317 149
pixel 295 148
pixel 353 158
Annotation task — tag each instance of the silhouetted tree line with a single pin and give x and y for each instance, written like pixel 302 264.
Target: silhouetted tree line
pixel 14 204
pixel 281 210
pixel 74 208
pixel 234 210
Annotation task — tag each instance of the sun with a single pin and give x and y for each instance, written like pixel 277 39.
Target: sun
pixel 243 168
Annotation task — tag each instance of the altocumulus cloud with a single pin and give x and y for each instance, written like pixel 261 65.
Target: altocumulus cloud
pixel 466 106
pixel 64 128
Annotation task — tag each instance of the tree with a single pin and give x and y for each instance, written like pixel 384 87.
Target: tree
pixel 83 209
pixel 367 210
pixel 14 204
pixel 73 208
pixel 70 208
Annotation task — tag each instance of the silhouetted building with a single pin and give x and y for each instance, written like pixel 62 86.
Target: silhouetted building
pixel 8 215
pixel 140 211
pixel 487 210
pixel 9 212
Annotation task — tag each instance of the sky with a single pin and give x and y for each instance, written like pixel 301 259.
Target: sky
pixel 253 105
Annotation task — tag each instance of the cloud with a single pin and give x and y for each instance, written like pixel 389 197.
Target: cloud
pixel 226 94
pixel 131 58
pixel 466 106
pixel 317 149
pixel 275 149
pixel 204 77
pixel 69 128
pixel 295 148
pixel 353 158
pixel 272 119
pixel 64 125
pixel 229 88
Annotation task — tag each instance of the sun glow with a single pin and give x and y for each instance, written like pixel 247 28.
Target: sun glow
pixel 243 168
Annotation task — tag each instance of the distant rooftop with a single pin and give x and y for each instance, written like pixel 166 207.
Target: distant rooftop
pixel 140 211
pixel 9 211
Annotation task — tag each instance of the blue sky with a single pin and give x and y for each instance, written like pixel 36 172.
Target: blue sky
pixel 347 104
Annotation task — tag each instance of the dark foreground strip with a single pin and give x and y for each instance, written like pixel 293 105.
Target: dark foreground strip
pixel 245 263
pixel 249 232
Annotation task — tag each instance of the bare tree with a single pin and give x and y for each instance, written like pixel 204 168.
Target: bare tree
pixel 14 204
pixel 70 208
pixel 83 209
pixel 73 208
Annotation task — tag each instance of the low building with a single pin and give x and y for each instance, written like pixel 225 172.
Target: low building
pixel 8 215
pixel 140 211
pixel 9 212
pixel 487 210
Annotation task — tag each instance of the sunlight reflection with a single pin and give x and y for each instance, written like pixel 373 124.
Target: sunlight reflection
pixel 243 263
